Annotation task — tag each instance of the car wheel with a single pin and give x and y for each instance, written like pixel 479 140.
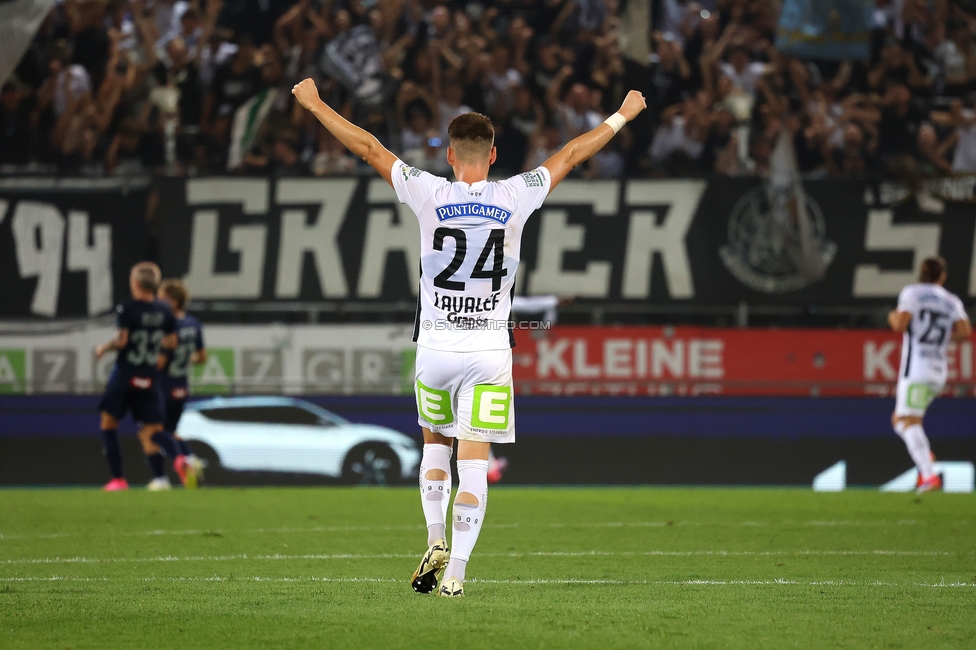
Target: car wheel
pixel 371 464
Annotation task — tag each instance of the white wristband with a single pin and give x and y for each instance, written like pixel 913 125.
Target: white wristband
pixel 616 122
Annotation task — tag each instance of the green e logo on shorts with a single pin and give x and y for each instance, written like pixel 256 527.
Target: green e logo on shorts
pixel 492 405
pixel 920 396
pixel 434 405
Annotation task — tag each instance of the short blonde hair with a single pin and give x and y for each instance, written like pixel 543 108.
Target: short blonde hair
pixel 147 276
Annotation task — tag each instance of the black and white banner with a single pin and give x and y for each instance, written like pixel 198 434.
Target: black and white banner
pixel 715 242
pixel 66 246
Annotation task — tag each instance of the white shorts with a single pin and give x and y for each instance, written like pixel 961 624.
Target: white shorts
pixel 914 396
pixel 466 395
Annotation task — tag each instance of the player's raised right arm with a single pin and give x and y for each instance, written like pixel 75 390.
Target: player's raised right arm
pixel 359 141
pixel 580 149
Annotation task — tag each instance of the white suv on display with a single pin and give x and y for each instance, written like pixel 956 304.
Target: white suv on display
pixel 291 436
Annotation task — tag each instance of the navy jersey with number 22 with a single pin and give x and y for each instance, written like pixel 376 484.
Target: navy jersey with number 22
pixel 189 335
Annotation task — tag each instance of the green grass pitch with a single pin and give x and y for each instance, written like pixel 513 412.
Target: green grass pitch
pixel 555 568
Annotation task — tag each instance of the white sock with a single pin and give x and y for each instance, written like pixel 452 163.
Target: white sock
pixel 473 475
pixel 435 495
pixel 918 447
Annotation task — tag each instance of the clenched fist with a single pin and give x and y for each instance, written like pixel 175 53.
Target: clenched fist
pixel 306 93
pixel 633 104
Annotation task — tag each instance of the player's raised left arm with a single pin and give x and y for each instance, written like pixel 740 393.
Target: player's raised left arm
pixel 899 320
pixel 582 148
pixel 359 141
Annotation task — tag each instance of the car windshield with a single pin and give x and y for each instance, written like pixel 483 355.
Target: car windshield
pixel 267 415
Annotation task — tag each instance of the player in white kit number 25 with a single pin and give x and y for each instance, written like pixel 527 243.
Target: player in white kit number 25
pixel 929 318
pixel 470 231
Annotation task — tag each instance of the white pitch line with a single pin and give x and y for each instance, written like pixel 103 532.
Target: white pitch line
pixel 398 556
pixel 606 524
pixel 528 581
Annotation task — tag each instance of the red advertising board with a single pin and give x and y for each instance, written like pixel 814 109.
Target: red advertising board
pixel 699 360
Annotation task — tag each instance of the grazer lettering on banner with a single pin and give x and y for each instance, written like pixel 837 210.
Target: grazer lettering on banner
pixel 246 241
pixel 319 239
pixel 648 237
pixel 388 230
pixel 559 238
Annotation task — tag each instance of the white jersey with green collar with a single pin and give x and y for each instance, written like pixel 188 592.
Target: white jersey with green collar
pixel 470 238
pixel 923 349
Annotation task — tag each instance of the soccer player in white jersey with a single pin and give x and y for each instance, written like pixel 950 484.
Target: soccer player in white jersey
pixel 470 233
pixel 929 318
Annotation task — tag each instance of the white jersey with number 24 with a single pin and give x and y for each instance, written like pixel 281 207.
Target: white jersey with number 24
pixel 470 239
pixel 923 349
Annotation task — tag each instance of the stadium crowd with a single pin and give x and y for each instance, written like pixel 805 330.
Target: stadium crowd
pixel 203 86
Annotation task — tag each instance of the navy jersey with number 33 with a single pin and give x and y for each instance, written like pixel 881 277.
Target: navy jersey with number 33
pixel 148 323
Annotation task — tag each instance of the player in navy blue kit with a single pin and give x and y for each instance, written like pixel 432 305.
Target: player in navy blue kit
pixel 145 327
pixel 174 376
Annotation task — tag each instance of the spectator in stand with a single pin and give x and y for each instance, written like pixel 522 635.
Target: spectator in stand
pixel 682 17
pixel 166 14
pixel 741 70
pixel 932 153
pixel 514 130
pixel 680 140
pixel 963 121
pixel 104 81
pixel 416 114
pixel 234 83
pixel 849 155
pixel 191 30
pixel 670 74
pixel 332 159
pixel 957 59
pixel 542 145
pixel 502 80
pixel 280 158
pixel 66 82
pixel 898 126
pixel 897 66
pixel 15 123
pixel 430 156
pixel 178 74
pixel 574 113
pixel 450 104
pixel 86 24
pixel 137 147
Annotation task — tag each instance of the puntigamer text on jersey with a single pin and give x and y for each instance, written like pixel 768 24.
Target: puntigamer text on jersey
pixel 501 215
